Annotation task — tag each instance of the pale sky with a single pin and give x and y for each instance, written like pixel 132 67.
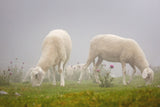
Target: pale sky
pixel 24 24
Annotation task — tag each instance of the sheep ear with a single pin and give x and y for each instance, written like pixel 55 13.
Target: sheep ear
pixel 30 71
pixel 144 74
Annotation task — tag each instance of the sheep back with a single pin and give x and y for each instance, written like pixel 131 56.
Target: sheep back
pixel 116 49
pixel 56 47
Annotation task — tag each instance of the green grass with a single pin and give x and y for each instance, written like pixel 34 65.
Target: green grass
pixel 85 94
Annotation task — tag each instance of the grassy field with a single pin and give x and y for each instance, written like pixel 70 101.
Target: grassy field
pixel 85 94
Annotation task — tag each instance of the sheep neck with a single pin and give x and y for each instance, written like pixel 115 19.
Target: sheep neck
pixel 44 64
pixel 141 64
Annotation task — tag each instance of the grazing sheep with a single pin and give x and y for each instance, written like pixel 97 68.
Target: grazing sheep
pixel 56 49
pixel 117 49
pixel 28 74
pixel 78 68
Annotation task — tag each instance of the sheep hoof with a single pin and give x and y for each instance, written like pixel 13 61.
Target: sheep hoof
pixel 78 82
pixel 128 82
pixel 124 83
pixel 98 81
pixel 62 85
pixel 60 71
pixel 54 83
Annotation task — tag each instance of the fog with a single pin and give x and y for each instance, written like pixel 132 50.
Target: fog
pixel 24 24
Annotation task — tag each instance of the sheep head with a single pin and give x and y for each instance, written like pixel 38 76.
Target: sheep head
pixel 37 76
pixel 148 75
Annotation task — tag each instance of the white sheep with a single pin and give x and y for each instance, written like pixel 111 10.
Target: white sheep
pixel 56 49
pixel 117 49
pixel 75 69
pixel 28 75
pixel 78 68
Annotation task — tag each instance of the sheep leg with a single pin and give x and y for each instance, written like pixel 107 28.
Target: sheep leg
pixel 48 74
pixel 89 73
pixel 98 62
pixel 90 59
pixel 54 76
pixel 94 63
pixel 61 70
pixel 124 72
pixel 96 66
pixel 87 64
pixel 134 71
pixel 81 75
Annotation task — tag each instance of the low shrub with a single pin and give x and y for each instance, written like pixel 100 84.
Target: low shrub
pixel 106 81
pixel 5 77
pixel 14 73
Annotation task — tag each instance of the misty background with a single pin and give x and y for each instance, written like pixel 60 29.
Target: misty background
pixel 24 24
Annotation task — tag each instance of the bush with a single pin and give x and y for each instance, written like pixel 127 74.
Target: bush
pixel 17 74
pixel 106 81
pixel 5 77
pixel 13 74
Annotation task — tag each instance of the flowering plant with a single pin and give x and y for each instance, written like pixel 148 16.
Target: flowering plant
pixel 98 70
pixel 106 79
pixel 13 73
pixel 5 77
pixel 111 66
